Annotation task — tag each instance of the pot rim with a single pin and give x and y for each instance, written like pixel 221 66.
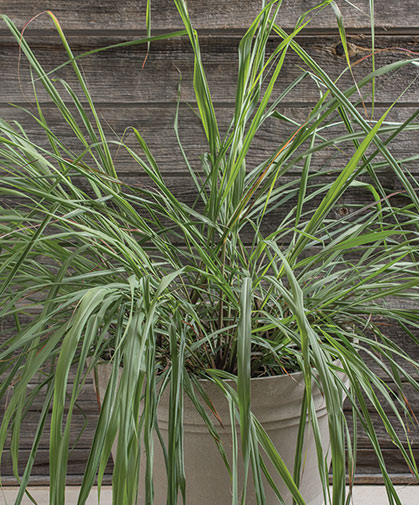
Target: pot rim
pixel 291 375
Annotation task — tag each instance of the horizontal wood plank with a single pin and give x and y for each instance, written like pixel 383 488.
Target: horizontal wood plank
pixel 75 467
pixel 367 462
pixel 155 123
pixel 89 411
pixel 117 75
pixel 44 480
pixel 76 480
pixel 206 14
pixel 85 417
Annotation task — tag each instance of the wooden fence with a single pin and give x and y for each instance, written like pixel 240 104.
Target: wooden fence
pixel 128 95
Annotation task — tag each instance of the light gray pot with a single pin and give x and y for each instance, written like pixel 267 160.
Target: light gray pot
pixel 276 402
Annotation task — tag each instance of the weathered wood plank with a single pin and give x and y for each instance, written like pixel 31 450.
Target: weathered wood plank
pixel 367 463
pixel 276 222
pixel 44 480
pixel 377 479
pixel 156 126
pixel 117 76
pixel 206 14
pixel 75 467
pixel 348 204
pixel 89 408
pixel 85 417
pixel 395 464
pixel 83 430
pixel 75 480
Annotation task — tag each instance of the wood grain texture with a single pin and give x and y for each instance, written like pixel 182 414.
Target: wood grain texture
pixel 367 464
pixel 117 76
pixel 75 480
pixel 87 415
pixel 155 122
pixel 205 14
pixel 75 467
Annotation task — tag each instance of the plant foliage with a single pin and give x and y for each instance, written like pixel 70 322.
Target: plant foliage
pixel 260 275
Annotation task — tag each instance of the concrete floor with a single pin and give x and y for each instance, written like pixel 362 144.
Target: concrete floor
pixel 363 495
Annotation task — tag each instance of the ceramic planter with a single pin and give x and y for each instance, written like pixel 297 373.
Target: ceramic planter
pixel 276 402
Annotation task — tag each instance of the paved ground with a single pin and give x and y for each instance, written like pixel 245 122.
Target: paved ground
pixel 363 495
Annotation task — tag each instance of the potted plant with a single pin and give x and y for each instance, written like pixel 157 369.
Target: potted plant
pixel 202 311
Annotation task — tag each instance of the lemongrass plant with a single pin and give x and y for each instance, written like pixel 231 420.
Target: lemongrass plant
pixel 259 276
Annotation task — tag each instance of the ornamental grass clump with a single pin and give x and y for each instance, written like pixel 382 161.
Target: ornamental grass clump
pixel 261 275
